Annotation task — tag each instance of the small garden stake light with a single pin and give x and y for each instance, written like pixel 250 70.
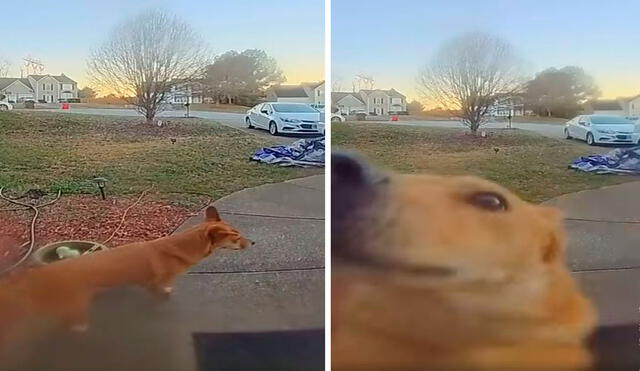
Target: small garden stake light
pixel 101 182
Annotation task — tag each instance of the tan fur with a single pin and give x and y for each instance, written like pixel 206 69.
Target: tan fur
pixel 509 302
pixel 61 292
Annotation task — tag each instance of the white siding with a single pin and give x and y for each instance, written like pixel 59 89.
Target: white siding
pixel 634 107
pixel 619 112
pixel 295 100
pixel 348 104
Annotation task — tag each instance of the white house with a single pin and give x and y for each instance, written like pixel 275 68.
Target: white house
pixel 306 92
pixel 348 103
pixel 606 107
pixel 42 88
pixel 622 106
pixel 509 106
pixel 374 102
pixel 186 92
pixel 631 106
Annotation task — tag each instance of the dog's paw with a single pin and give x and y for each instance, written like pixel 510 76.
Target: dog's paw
pixel 167 290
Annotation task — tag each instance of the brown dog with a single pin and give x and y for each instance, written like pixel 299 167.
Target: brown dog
pixel 449 273
pixel 62 292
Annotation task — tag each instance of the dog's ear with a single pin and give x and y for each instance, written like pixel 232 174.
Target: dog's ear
pixel 212 214
pixel 217 232
pixel 554 247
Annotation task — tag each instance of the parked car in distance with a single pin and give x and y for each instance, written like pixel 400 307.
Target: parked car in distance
pixel 4 104
pixel 319 107
pixel 281 117
pixel 336 117
pixel 596 129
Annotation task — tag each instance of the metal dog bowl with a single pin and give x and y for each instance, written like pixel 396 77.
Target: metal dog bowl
pixel 47 254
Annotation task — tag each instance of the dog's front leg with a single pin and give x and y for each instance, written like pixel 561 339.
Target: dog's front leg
pixel 75 313
pixel 162 288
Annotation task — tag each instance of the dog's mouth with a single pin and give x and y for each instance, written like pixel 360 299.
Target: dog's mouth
pixel 348 257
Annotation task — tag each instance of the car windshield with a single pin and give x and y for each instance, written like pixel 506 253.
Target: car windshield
pixel 297 108
pixel 609 120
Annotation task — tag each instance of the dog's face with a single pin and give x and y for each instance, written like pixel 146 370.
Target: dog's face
pixel 436 228
pixel 423 264
pixel 221 235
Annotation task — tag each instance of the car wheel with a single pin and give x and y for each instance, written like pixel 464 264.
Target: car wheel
pixel 273 128
pixel 249 124
pixel 3 107
pixel 566 134
pixel 336 119
pixel 590 140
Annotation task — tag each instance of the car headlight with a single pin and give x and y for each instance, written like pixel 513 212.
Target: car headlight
pixel 294 121
pixel 606 131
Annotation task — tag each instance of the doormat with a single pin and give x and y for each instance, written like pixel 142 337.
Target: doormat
pixel 248 351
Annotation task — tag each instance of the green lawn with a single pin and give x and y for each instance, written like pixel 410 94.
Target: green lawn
pixel 531 165
pixel 55 151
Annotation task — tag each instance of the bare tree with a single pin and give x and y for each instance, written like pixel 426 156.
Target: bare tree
pixel 470 74
pixel 5 65
pixel 144 57
pixel 336 83
pixel 364 81
pixel 32 66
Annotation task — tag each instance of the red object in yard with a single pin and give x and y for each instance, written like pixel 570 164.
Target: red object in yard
pixel 65 105
pixel 394 118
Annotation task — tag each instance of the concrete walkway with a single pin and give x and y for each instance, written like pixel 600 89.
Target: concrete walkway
pixel 604 248
pixel 278 284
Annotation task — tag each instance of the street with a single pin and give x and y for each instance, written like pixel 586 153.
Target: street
pixel 548 130
pixel 235 120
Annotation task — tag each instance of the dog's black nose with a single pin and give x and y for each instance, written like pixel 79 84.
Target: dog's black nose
pixel 355 190
pixel 350 171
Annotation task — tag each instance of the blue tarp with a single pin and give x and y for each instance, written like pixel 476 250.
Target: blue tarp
pixel 303 152
pixel 618 161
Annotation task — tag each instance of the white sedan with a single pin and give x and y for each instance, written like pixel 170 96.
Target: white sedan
pixel 596 129
pixel 280 117
pixel 336 117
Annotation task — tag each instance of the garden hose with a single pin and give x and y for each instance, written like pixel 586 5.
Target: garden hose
pixel 32 241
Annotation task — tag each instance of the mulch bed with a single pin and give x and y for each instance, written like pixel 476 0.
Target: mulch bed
pixel 87 217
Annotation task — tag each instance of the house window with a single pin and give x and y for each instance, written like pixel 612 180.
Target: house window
pixel 44 87
pixel 60 86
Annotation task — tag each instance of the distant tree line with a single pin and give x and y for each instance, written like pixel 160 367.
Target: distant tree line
pixel 148 55
pixel 241 77
pixel 474 73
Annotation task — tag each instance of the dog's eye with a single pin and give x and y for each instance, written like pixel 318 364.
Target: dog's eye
pixel 489 201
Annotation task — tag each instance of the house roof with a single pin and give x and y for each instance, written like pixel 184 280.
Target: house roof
pixel 338 95
pixel 631 98
pixel 606 105
pixel 391 92
pixel 290 91
pixel 6 81
pixel 61 78
pixel 312 85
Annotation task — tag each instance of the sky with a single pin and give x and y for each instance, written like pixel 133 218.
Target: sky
pixel 62 34
pixel 393 40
